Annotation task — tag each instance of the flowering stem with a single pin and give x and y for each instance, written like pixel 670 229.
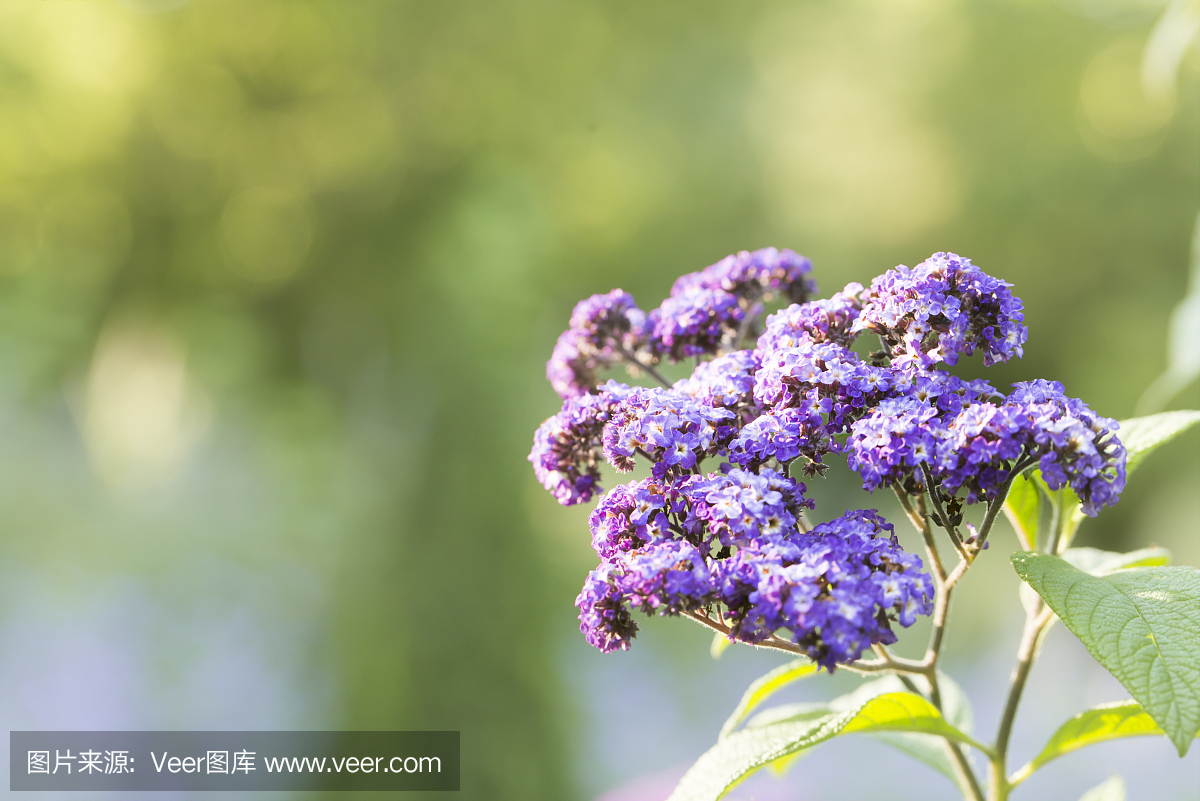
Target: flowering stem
pixel 943 520
pixel 636 362
pixel 774 643
pixel 944 585
pixel 998 502
pixel 1035 623
pixel 747 321
pixel 1055 519
pixel 888 664
pixel 921 524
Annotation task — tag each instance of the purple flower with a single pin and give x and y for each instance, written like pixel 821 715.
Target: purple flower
pixel 814 322
pixel 601 327
pixel 1070 443
pixel 604 616
pixel 631 515
pixel 833 591
pixel 1074 445
pixel 892 440
pixel 667 578
pixel 976 445
pixel 943 307
pixel 673 429
pixel 694 323
pixel 732 544
pixel 830 377
pixel 754 276
pixel 783 435
pixel 740 507
pixel 566 448
pixel 726 381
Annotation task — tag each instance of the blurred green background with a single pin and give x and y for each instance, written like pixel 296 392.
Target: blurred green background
pixel 278 281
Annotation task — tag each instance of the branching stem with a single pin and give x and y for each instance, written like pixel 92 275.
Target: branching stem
pixel 921 524
pixel 1035 622
pixel 636 362
pixel 944 586
pixel 892 664
pixel 943 519
pixel 744 328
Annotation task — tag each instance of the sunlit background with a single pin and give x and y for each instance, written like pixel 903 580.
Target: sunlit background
pixel 278 281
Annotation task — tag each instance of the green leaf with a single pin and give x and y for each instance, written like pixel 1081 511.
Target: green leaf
pixel 788 712
pixel 764 687
pixel 719 643
pixel 1141 435
pixel 1023 507
pixel 1095 562
pixel 780 767
pixel 1113 789
pixel 744 752
pixel 1068 509
pixel 1141 623
pixel 1097 725
pixel 956 709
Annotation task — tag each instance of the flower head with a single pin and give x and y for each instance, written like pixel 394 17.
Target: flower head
pixel 601 327
pixel 665 578
pixel 740 507
pixel 752 276
pixel 833 591
pixel 673 429
pixel 726 381
pixel 783 435
pixel 604 616
pixel 943 307
pixel 566 447
pixel 832 378
pixel 695 322
pixel 909 428
pixel 814 322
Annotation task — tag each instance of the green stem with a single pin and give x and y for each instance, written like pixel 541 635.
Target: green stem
pixel 636 362
pixel 944 586
pixel 943 520
pixel 1035 622
pixel 921 524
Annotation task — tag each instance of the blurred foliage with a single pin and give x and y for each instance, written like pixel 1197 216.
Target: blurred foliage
pixel 277 280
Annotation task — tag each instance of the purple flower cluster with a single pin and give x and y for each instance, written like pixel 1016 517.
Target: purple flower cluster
pixel 1074 445
pixel 783 435
pixel 731 546
pixel 604 616
pixel 631 515
pixel 909 429
pixel 668 427
pixel 566 448
pixel 740 507
pixel 830 377
pixel 816 322
pixel 755 275
pixel 943 307
pixel 695 322
pixel 726 381
pixel 689 543
pixel 835 590
pixel 602 327
pixel 668 577
pixel 977 445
